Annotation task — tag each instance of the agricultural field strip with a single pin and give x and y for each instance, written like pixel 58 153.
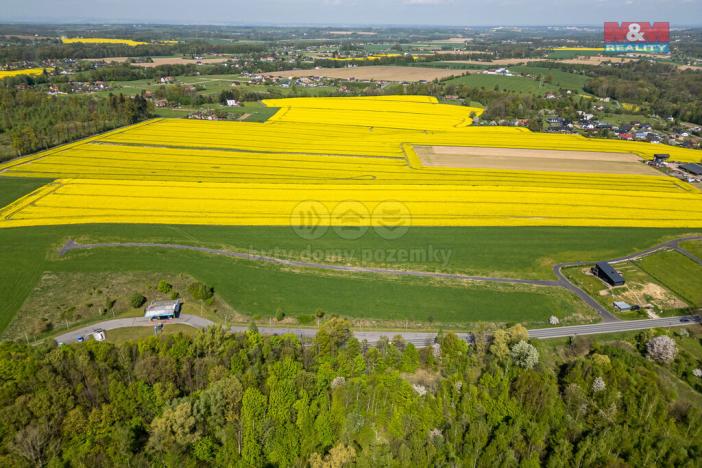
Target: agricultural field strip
pixel 167 165
pixel 346 139
pixel 76 201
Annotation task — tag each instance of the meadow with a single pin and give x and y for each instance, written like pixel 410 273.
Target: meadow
pixel 519 84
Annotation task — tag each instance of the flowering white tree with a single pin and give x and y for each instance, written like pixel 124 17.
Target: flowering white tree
pixel 525 355
pixel 598 385
pixel 662 349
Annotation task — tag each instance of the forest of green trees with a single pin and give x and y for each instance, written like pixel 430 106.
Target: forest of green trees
pixel 660 88
pixel 248 400
pixel 32 120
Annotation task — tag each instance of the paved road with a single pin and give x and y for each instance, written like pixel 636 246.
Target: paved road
pixel 417 338
pixel 613 327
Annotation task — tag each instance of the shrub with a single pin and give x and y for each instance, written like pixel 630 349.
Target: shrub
pixel 164 287
pixel 525 355
pixel 136 300
pixel 661 349
pixel 201 291
pixel 279 315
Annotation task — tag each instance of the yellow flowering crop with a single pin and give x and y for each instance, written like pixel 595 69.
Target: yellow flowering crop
pixel 176 171
pixel 24 71
pixel 100 40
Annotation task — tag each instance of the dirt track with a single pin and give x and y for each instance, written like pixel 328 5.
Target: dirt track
pixel 379 73
pixel 534 160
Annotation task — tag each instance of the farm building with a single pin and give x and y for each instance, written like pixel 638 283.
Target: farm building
pixel 622 306
pixel 694 169
pixel 659 159
pixel 163 309
pixel 604 271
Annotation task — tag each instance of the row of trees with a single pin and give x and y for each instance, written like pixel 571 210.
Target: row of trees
pixel 250 400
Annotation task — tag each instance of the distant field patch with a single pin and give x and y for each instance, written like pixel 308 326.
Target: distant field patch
pixel 520 84
pixel 100 40
pixel 377 73
pixel 23 71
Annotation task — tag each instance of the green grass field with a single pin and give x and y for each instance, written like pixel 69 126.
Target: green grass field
pixel 519 84
pixel 560 78
pixel 12 188
pixel 694 247
pixel 260 290
pixel 569 54
pixel 677 272
pixel 249 111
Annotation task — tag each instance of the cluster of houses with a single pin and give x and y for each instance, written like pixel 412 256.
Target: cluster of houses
pixel 78 87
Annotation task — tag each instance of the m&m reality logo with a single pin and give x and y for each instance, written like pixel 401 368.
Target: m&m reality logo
pixel 637 36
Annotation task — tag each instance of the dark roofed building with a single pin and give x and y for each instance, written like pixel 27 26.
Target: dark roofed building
pixel 695 169
pixel 604 271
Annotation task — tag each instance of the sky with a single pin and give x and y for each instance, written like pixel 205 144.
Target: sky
pixel 355 12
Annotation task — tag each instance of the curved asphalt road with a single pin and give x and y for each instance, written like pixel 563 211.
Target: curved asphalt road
pixel 419 339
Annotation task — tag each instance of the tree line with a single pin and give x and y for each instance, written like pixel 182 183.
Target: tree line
pixel 248 400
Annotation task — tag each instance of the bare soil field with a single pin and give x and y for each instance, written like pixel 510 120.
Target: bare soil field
pixel 378 73
pixel 533 160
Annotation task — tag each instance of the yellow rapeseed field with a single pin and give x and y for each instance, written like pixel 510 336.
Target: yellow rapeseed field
pixel 100 40
pixel 331 150
pixel 24 71
pixel 369 58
